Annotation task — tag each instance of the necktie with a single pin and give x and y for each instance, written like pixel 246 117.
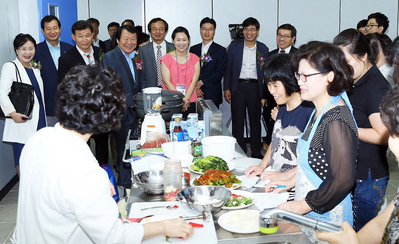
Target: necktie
pixel 159 57
pixel 282 51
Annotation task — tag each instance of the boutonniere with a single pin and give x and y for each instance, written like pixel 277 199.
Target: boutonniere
pixel 35 65
pixel 261 59
pixel 137 62
pixel 205 58
pixel 169 49
pixel 100 55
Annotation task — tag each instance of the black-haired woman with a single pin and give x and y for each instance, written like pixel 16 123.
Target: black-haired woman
pixel 19 127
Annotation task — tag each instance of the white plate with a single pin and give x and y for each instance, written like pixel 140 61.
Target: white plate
pixel 240 221
pixel 244 194
pixel 230 164
pixel 157 218
pixel 233 187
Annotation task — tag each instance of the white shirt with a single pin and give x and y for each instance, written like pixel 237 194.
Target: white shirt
pixel 163 48
pixel 96 43
pixel 287 50
pixel 387 72
pixel 249 62
pixel 205 48
pixel 84 55
pixel 64 196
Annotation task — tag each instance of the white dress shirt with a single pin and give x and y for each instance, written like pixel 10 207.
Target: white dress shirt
pixel 287 50
pixel 249 62
pixel 163 48
pixel 205 48
pixel 84 55
pixel 64 196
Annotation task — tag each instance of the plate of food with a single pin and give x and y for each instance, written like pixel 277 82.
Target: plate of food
pixel 240 221
pixel 211 162
pixel 217 178
pixel 239 199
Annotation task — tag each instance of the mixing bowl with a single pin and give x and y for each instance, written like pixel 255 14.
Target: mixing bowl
pixel 203 198
pixel 150 181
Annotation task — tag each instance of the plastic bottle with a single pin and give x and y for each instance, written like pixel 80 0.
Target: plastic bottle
pixel 177 131
pixel 172 179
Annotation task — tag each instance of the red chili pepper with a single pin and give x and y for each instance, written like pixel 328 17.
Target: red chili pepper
pixel 195 224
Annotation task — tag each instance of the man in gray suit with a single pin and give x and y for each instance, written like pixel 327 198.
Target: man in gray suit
pixel 152 53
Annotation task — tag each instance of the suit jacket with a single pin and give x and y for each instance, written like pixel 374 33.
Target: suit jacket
pixel 107 44
pixel 70 59
pixel 116 60
pixel 234 64
pixel 18 132
pixel 147 55
pixel 212 72
pixel 49 73
pixel 292 51
pixel 102 46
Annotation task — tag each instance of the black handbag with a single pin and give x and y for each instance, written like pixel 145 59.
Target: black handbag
pixel 21 96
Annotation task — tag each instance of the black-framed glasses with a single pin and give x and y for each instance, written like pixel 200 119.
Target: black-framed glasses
pixel 370 26
pixel 285 37
pixel 304 77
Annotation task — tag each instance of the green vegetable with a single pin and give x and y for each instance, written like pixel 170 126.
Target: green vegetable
pixel 167 239
pixel 238 201
pixel 209 162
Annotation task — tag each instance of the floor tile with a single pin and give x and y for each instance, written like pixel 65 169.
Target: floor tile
pixel 8 213
pixel 16 187
pixel 5 231
pixel 10 198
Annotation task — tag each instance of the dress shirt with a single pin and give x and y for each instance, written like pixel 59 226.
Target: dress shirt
pixel 84 55
pixel 163 49
pixel 55 52
pixel 96 43
pixel 287 50
pixel 205 48
pixel 248 68
pixel 130 62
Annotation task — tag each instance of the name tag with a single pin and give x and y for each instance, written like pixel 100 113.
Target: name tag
pixel 181 89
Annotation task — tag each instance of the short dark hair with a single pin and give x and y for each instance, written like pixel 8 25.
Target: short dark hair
pixel 379 41
pixel 394 59
pixel 361 24
pixel 91 100
pixel 128 20
pixel 326 57
pixel 251 21
pixel 389 111
pixel 49 18
pixel 21 39
pixel 129 28
pixel 156 20
pixel 81 25
pixel 178 30
pixel 355 42
pixel 93 20
pixel 113 24
pixel 143 37
pixel 288 27
pixel 278 68
pixel 208 20
pixel 381 20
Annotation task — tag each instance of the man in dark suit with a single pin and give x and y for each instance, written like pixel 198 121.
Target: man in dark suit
pixel 112 28
pixel 152 53
pixel 84 54
pixel 96 41
pixel 286 38
pixel 47 53
pixel 122 59
pixel 213 63
pixel 243 84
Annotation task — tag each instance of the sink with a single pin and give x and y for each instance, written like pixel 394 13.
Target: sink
pixel 290 238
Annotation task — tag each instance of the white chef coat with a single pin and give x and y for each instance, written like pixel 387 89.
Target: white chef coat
pixel 64 196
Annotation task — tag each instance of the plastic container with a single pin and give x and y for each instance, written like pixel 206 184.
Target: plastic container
pixel 177 131
pixel 172 179
pixel 152 100
pixel 221 146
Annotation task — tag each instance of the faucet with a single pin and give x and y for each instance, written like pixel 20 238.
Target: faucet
pixel 268 221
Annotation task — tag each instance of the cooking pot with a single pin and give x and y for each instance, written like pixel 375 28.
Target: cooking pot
pixel 172 102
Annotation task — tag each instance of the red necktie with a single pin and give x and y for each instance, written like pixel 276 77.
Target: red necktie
pixel 282 51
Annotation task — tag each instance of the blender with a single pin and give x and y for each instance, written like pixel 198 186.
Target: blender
pixel 153 121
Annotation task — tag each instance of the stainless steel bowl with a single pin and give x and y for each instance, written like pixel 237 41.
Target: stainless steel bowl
pixel 203 198
pixel 150 181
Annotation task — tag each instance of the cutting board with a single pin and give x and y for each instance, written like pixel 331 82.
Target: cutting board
pixel 206 234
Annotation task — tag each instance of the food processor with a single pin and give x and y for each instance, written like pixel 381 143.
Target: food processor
pixel 153 121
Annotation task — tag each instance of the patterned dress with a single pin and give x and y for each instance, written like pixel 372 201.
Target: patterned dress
pixel 391 233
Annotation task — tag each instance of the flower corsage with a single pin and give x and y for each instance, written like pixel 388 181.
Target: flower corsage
pixel 261 59
pixel 137 62
pixel 205 58
pixel 35 65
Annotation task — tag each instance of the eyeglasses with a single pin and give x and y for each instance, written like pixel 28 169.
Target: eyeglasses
pixel 285 37
pixel 157 29
pixel 113 29
pixel 370 26
pixel 304 77
pixel 205 29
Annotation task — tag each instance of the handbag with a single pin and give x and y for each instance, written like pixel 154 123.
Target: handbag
pixel 21 96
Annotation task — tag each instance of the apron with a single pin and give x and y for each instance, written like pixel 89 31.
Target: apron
pixel 307 180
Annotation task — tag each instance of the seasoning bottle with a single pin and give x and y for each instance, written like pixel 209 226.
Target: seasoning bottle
pixel 172 179
pixel 177 131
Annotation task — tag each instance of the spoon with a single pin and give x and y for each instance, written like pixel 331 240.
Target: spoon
pixel 171 207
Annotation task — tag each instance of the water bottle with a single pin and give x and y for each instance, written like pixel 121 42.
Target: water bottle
pixel 172 179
